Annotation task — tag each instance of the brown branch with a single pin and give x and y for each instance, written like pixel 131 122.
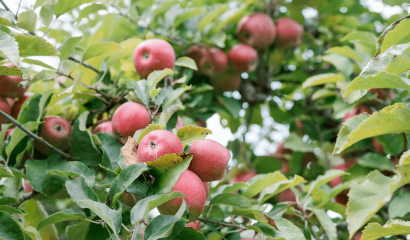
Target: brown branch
pixel 84 64
pixel 25 197
pixel 221 223
pixel 5 6
pixel 37 138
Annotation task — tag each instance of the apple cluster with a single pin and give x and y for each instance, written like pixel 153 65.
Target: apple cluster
pixel 255 32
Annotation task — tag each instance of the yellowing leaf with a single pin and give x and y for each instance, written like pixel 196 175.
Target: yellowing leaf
pixel 190 134
pixel 400 34
pixel 346 51
pixel 169 160
pixel 322 79
pixel 148 129
pixel 394 227
pixel 63 6
pixel 101 49
pixel 14 71
pixel 27 20
pixel 35 46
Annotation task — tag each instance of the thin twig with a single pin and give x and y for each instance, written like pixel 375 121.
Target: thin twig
pixel 126 229
pixel 37 138
pixel 5 6
pixel 25 197
pixel 18 8
pixel 135 234
pixel 84 64
pixel 221 223
pixel 91 221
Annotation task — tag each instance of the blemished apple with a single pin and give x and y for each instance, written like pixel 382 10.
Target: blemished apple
pixel 180 123
pixel 243 58
pixel 57 131
pixel 129 199
pixel 210 160
pixel 152 55
pixel 214 62
pixel 158 143
pixel 206 186
pixel 195 225
pixel 27 187
pixel 5 107
pixel 17 106
pixel 226 81
pixel 244 177
pixel 9 85
pixel 345 166
pixel 129 118
pixel 289 33
pixel 195 198
pixel 105 127
pixel 257 30
pixel 196 52
pixel 359 109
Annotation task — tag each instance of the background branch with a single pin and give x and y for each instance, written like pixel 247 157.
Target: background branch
pixel 220 223
pixel 24 198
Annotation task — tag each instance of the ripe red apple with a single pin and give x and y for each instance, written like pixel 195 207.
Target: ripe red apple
pixel 214 62
pixel 287 196
pixel 196 52
pixel 358 236
pixel 345 166
pixel 179 124
pixel 129 118
pixel 206 186
pixel 158 143
pixel 257 30
pixel 210 160
pixel 244 177
pixel 289 33
pixel 5 107
pixel 357 111
pixel 243 58
pixel 27 187
pixel 17 106
pixel 57 131
pixel 9 85
pixel 227 81
pixel 129 199
pixel 381 93
pixel 189 184
pixel 195 225
pixel 378 146
pixel 152 55
pixel 105 127
pixel 9 132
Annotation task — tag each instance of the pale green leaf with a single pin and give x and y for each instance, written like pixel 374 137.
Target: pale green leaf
pixel 186 62
pixel 347 52
pixel 325 178
pixel 63 6
pixel 77 81
pixel 279 186
pixel 14 71
pixel 64 215
pixel 187 15
pixel 156 76
pixel 27 20
pixel 35 46
pixel 69 46
pixel 191 134
pixel 322 79
pixel 7 18
pixel 101 49
pixel 231 199
pixel 211 16
pixel 9 48
pixel 376 231
pixel 38 63
pixel 148 129
pixel 326 223
pixel 400 34
pixel 46 14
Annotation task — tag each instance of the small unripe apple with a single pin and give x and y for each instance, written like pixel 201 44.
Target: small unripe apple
pixel 5 107
pixel 105 127
pixel 179 124
pixel 152 55
pixel 195 225
pixel 206 186
pixel 189 184
pixel 227 81
pixel 357 111
pixel 257 30
pixel 214 62
pixel 129 199
pixel 244 177
pixel 129 118
pixel 287 196
pixel 289 33
pixel 345 166
pixel 9 85
pixel 196 52
pixel 17 106
pixel 210 160
pixel 57 131
pixel 9 132
pixel 26 186
pixel 243 58
pixel 158 143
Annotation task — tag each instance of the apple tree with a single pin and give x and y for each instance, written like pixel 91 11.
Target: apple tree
pixel 107 113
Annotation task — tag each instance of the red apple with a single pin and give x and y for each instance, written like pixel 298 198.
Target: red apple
pixel 5 107
pixel 227 81
pixel 105 127
pixel 129 199
pixel 152 55
pixel 357 111
pixel 156 144
pixel 9 85
pixel 195 225
pixel 358 236
pixel 206 186
pixel 378 146
pixel 196 52
pixel 289 33
pixel 210 160
pixel 214 62
pixel 244 177
pixel 257 30
pixel 345 166
pixel 17 106
pixel 27 187
pixel 9 132
pixel 287 196
pixel 189 184
pixel 129 118
pixel 179 124
pixel 381 93
pixel 57 131
pixel 243 58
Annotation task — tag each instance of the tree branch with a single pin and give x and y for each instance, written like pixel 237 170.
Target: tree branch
pixel 25 197
pixel 37 138
pixel 220 223
pixel 5 6
pixel 84 64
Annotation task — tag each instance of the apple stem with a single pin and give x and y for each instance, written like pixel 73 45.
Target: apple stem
pixel 25 197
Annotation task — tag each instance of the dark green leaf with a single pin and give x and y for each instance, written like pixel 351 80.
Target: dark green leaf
pixel 40 181
pixel 231 199
pixel 64 215
pixel 9 229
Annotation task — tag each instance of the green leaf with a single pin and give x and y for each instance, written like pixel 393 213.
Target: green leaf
pixel 260 182
pixel 167 114
pixel 393 144
pixel 323 79
pixel 79 190
pixel 77 81
pixel 14 71
pixel 142 91
pixel 9 48
pixel 40 181
pixel 347 52
pixel 7 18
pixel 69 46
pixel 186 62
pixel 35 213
pixel 9 229
pixel 164 226
pixel 35 46
pixel 391 228
pixel 191 134
pixel 62 216
pixel 211 16
pixel 112 217
pixel 286 231
pixel 93 8
pixel 38 63
pixel 360 36
pixel 391 119
pixel 341 63
pixel 231 199
pixel 173 96
pixel 156 76
pixel 279 186
pixel 111 150
pixel 326 223
pixel 27 20
pixel 400 34
pixel 255 214
pixel 5 171
pixel 31 232
pixel 101 49
pixel 8 200
pixel 64 6
pixel 147 204
pixel 185 16
pixel 124 180
pixel 18 136
pixel 377 161
pixel 46 14
pixel 295 143
pixel 32 108
pixel 148 129
pixel 325 178
pixel 232 187
pixel 79 231
pixel 399 207
pixel 12 210
pixel 82 146
pixel 60 167
pixel 189 233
